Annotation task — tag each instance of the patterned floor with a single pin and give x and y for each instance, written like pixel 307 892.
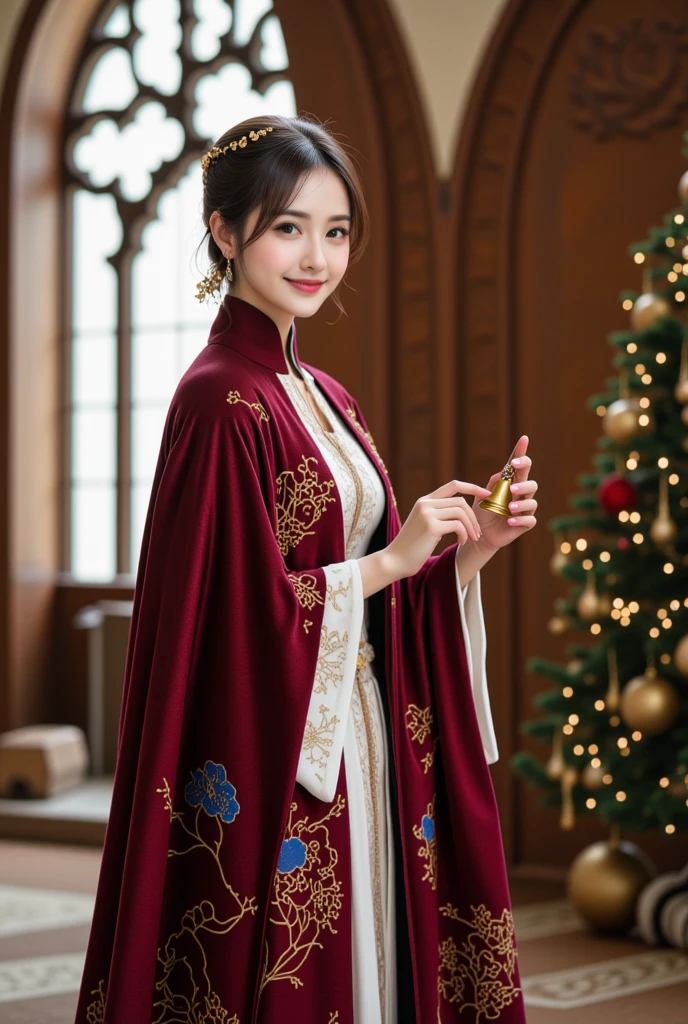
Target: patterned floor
pixel 568 974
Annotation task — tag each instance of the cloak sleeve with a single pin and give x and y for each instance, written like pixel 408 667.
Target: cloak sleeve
pixel 475 642
pixel 340 632
pixel 233 580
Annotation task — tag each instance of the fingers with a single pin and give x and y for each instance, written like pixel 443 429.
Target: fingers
pixel 521 521
pixel 462 514
pixel 529 505
pixel 454 506
pixel 526 487
pixel 453 487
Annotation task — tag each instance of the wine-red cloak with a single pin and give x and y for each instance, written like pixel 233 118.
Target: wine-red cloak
pixel 224 893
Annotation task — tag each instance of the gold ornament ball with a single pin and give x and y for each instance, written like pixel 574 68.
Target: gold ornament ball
pixel 591 777
pixel 681 391
pixel 604 882
pixel 663 530
pixel 683 187
pixel 557 562
pixel 681 655
pixel 557 625
pixel 649 704
pixel 647 310
pixel 621 420
pixel 587 605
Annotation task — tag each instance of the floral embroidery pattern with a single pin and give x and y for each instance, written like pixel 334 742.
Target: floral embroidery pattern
pixel 95 1011
pixel 234 396
pixel 210 789
pixel 425 832
pixel 306 589
pixel 334 1018
pixel 369 438
pixel 419 723
pixel 215 1012
pixel 317 739
pixel 307 624
pixel 341 591
pixel 182 961
pixel 479 973
pixel 300 503
pixel 429 758
pixel 307 895
pixel 331 658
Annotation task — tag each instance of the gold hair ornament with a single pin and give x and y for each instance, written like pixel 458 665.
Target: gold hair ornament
pixel 212 282
pixel 241 143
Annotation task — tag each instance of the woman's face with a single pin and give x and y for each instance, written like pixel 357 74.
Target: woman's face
pixel 308 242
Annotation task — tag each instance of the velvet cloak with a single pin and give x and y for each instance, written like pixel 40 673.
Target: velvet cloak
pixel 224 893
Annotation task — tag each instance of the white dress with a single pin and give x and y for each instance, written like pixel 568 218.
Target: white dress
pixel 345 715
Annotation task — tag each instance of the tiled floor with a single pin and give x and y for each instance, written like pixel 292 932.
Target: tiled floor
pixel 568 975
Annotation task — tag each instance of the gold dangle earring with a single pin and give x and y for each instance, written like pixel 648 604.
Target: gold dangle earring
pixel 229 274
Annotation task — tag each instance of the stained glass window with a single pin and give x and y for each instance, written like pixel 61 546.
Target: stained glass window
pixel 156 88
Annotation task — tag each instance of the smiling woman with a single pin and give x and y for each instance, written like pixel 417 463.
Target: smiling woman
pixel 269 247
pixel 305 728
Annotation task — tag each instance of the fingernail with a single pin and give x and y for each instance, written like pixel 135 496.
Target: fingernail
pixel 515 488
pixel 513 522
pixel 513 505
pixel 517 462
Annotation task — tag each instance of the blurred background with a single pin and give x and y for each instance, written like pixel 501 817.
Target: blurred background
pixel 523 161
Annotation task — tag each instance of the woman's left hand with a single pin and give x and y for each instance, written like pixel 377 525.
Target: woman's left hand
pixel 498 531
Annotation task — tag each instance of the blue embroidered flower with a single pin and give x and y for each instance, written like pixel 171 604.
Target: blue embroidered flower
pixel 211 789
pixel 293 856
pixel 428 827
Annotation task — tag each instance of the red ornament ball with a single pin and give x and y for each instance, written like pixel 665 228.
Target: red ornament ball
pixel 622 543
pixel 615 494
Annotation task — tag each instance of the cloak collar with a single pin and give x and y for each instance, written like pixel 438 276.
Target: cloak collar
pixel 253 333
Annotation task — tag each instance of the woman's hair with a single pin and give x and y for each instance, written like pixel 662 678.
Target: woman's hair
pixel 266 173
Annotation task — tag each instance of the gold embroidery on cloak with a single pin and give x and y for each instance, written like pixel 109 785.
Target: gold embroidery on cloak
pixel 234 396
pixel 95 1011
pixel 306 589
pixel 307 894
pixel 214 797
pixel 317 739
pixel 479 973
pixel 341 591
pixel 419 723
pixel 425 833
pixel 331 657
pixel 300 503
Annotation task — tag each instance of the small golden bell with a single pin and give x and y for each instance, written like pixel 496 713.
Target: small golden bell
pixel 500 497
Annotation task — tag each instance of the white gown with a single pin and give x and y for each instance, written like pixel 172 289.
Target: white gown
pixel 345 715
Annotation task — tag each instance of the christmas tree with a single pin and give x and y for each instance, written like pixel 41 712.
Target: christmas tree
pixel 617 718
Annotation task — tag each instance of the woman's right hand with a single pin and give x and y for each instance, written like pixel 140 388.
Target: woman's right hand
pixel 434 515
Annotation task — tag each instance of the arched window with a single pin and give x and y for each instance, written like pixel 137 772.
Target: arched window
pixel 158 82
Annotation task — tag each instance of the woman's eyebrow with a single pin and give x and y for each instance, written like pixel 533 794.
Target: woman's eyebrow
pixel 307 216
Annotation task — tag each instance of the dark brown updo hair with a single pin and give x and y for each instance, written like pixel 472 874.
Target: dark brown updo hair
pixel 266 172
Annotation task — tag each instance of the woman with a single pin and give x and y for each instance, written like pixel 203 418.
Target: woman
pixel 303 824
